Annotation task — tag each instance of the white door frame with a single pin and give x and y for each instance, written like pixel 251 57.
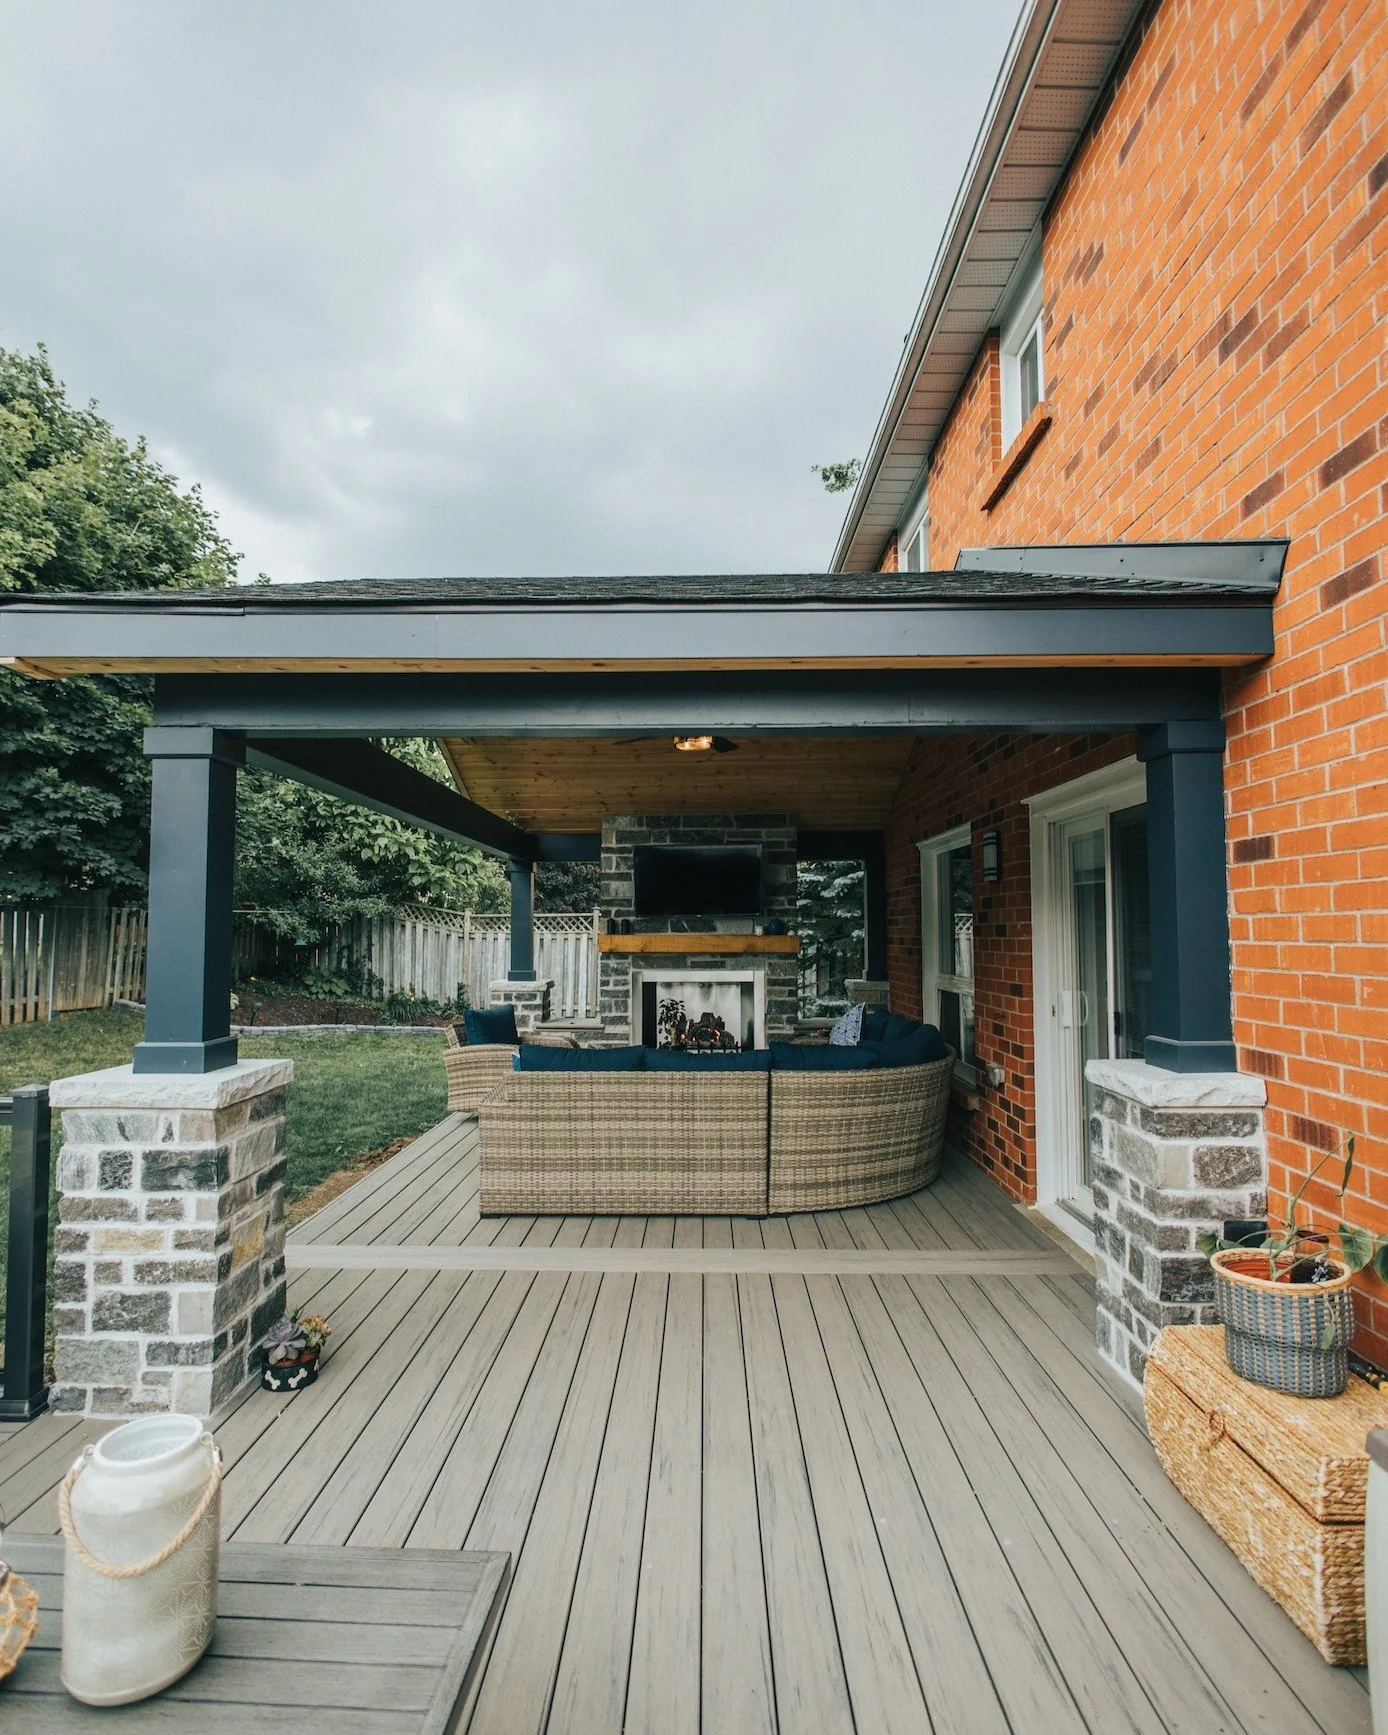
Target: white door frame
pixel 1109 790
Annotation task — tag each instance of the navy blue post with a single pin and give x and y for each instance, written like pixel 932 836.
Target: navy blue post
pixel 1192 1025
pixel 522 921
pixel 191 869
pixel 28 1116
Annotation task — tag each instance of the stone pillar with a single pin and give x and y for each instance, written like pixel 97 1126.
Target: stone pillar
pixel 530 999
pixel 170 1241
pixel 1175 1154
pixel 866 989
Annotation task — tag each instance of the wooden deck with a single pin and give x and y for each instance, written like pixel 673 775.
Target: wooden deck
pixel 860 1470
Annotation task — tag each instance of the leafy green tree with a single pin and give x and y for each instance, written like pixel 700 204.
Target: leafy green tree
pixel 307 860
pixel 566 888
pixel 82 510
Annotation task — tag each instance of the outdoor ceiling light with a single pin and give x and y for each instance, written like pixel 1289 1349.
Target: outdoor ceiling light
pixel 704 744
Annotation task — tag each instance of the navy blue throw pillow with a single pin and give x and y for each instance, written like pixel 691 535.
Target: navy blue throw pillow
pixel 923 1045
pixel 875 1022
pixel 676 1060
pixel 820 1057
pixel 535 1057
pixel 496 1025
pixel 897 1027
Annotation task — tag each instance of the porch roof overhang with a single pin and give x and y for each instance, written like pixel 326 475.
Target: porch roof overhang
pixel 966 619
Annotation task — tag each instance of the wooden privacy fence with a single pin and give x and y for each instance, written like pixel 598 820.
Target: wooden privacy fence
pixel 432 953
pixel 68 958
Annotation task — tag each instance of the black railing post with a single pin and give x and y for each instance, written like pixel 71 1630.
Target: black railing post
pixel 26 1286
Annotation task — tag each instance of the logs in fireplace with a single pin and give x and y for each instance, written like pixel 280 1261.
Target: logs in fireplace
pixel 706 1034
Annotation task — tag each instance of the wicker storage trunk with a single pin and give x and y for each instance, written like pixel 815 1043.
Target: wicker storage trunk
pixel 1280 1479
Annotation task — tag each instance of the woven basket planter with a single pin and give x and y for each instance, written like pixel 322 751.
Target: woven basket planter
pixel 1291 1337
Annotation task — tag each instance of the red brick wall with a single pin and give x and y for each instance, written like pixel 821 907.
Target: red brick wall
pixel 1216 283
pixel 982 780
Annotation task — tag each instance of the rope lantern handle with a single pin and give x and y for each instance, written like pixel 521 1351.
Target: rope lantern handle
pixel 1216 1433
pixel 167 1552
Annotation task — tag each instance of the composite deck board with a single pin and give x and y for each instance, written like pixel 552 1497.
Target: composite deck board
pixel 742 1500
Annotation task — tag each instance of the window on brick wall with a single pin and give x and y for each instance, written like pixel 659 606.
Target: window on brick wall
pixel 916 555
pixel 1022 355
pixel 947 939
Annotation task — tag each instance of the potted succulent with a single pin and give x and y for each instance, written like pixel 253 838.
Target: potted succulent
pixel 292 1348
pixel 1287 1305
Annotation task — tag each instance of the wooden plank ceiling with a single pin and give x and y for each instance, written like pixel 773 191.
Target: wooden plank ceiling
pixel 829 782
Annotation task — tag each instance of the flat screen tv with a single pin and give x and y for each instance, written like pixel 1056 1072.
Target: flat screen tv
pixel 707 880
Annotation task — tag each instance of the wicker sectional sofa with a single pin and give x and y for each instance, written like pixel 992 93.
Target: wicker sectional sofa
pixel 742 1144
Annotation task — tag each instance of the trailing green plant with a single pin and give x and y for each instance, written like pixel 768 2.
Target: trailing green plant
pixel 1358 1248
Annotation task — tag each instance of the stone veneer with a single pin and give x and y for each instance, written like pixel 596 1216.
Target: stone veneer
pixel 1175 1154
pixel 776 833
pixel 531 1001
pixel 169 1250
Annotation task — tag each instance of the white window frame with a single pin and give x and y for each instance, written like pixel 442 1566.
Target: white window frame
pixel 933 978
pixel 1022 321
pixel 914 542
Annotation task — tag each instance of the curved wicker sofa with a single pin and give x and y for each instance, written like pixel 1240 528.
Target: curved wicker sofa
pixel 740 1144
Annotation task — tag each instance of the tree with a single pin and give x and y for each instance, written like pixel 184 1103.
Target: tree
pixel 839 478
pixel 567 888
pixel 832 924
pixel 306 860
pixel 82 510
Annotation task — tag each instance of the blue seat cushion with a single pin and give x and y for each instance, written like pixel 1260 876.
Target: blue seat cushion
pixel 535 1057
pixel 497 1024
pixel 923 1045
pixel 875 1022
pixel 675 1060
pixel 820 1057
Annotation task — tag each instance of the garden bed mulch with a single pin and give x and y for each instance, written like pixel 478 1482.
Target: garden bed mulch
pixel 332 1185
pixel 253 1010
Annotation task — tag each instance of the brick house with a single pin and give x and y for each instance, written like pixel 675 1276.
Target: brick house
pixel 1158 317
pixel 1094 689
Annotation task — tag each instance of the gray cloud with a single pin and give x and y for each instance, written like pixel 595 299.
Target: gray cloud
pixel 415 288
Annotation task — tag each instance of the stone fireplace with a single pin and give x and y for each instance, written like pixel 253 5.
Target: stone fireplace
pixel 734 1000
pixel 760 993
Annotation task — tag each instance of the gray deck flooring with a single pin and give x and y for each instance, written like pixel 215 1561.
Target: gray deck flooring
pixel 745 1486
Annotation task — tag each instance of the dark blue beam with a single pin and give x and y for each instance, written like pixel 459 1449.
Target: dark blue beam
pixel 1028 701
pixel 359 772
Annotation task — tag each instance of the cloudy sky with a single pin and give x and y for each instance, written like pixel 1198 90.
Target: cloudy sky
pixel 452 288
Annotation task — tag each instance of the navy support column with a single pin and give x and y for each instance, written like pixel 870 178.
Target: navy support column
pixel 192 860
pixel 1192 1026
pixel 522 921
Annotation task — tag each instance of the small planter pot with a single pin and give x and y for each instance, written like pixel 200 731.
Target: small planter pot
pixel 291 1376
pixel 1292 1337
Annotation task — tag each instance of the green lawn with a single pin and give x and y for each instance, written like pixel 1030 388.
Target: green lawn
pixel 350 1093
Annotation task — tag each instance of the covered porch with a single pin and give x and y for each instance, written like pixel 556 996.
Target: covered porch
pixel 856 1470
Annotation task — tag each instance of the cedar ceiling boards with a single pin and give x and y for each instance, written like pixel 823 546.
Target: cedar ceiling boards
pixel 829 782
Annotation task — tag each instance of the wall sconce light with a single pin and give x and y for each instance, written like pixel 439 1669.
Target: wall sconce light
pixel 992 857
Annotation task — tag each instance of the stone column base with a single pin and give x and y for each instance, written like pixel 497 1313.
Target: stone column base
pixel 866 989
pixel 1175 1154
pixel 170 1242
pixel 530 999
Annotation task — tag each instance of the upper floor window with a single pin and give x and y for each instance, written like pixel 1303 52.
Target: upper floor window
pixel 916 548
pixel 1023 355
pixel 915 536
